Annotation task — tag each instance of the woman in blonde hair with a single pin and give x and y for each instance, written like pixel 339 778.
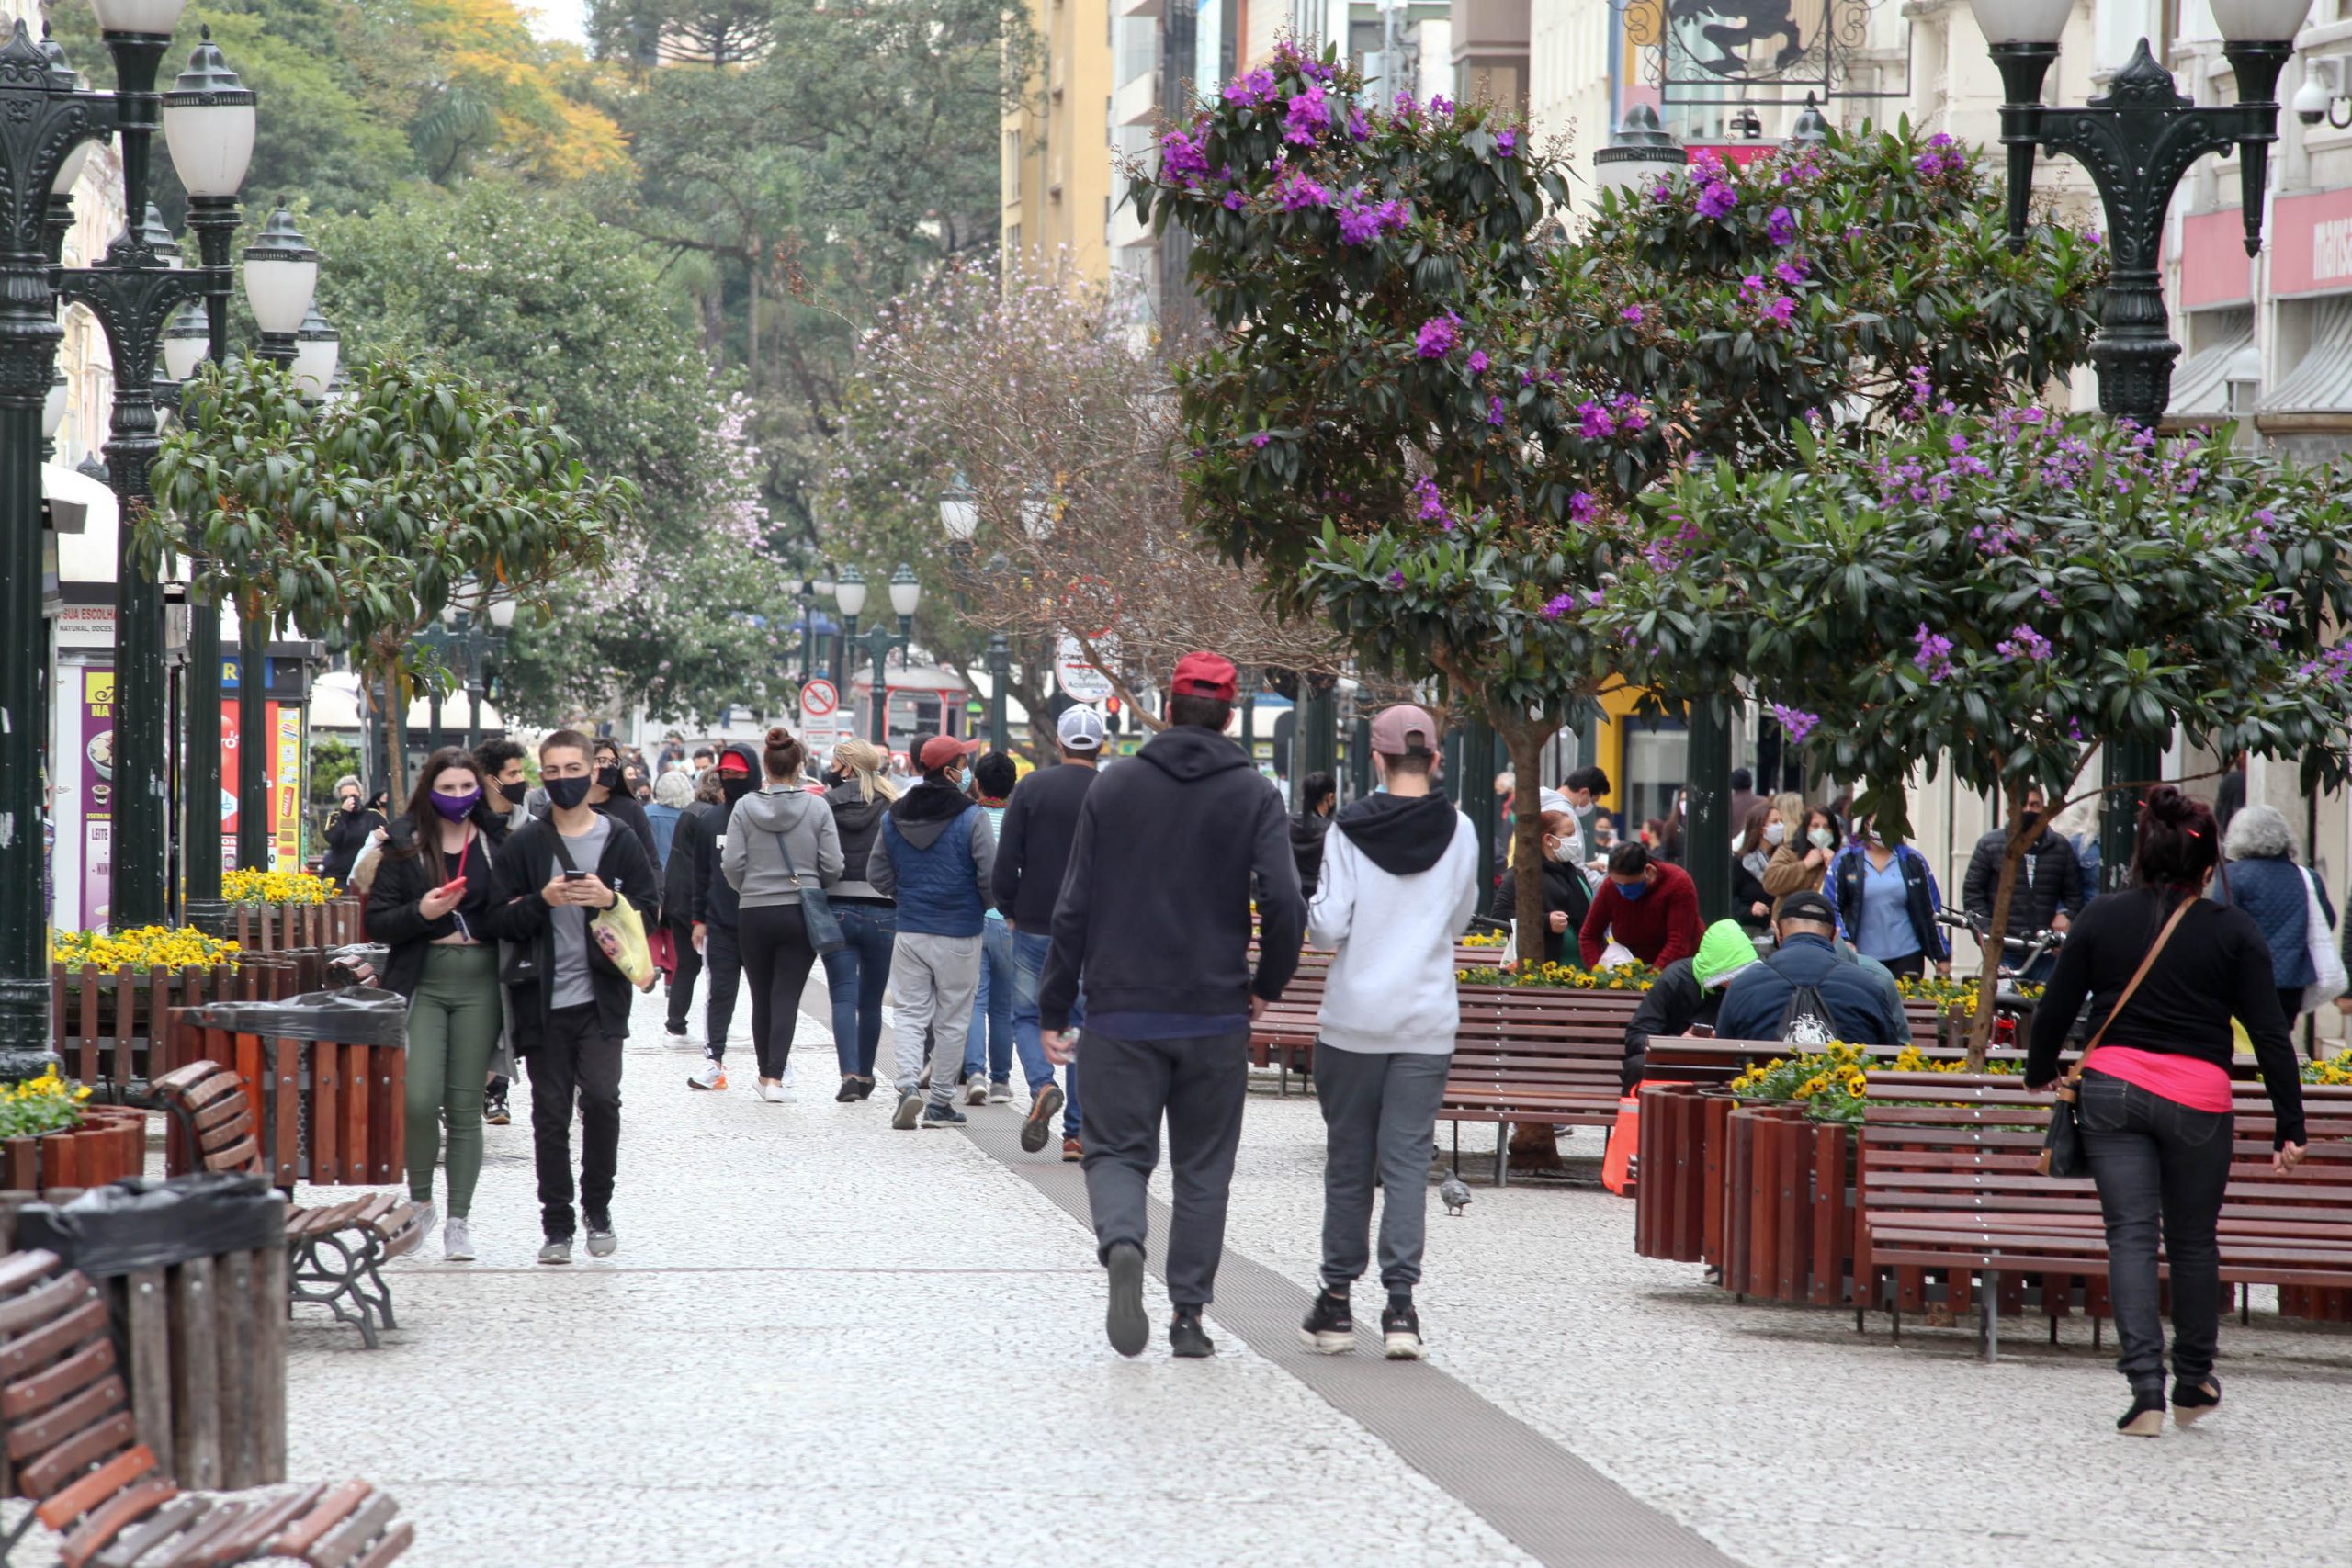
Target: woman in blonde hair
pixel 860 973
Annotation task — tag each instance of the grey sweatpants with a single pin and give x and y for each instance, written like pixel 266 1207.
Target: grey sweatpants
pixel 1379 1112
pixel 933 980
pixel 1200 1085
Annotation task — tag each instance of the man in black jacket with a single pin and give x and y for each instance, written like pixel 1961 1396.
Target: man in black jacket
pixel 2049 890
pixel 571 1006
pixel 713 931
pixel 1032 854
pixel 1319 797
pixel 691 861
pixel 1864 1009
pixel 1154 911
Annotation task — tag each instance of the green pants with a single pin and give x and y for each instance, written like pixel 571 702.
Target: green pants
pixel 453 1024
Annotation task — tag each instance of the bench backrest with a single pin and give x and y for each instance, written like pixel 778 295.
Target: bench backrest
pixel 210 1102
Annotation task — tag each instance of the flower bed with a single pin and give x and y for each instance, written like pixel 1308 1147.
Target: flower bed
pixel 277 887
pixel 1561 976
pixel 50 1138
pixel 142 949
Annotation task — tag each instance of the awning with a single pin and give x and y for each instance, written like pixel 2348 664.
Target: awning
pixel 2200 387
pixel 2321 381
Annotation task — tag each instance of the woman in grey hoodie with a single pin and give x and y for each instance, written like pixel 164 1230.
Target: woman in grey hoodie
pixel 782 825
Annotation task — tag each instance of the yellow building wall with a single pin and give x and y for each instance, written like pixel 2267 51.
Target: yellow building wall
pixel 1056 160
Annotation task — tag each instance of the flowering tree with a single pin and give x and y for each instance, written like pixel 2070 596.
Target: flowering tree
pixel 1995 592
pixel 1032 390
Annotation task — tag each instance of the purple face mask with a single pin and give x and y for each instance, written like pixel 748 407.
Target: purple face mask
pixel 455 807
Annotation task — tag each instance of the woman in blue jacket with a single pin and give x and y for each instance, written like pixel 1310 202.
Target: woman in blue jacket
pixel 1887 903
pixel 2261 877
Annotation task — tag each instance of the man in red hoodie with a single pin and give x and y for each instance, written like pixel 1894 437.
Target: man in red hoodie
pixel 1649 908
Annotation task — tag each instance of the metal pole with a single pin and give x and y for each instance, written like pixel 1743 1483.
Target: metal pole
pixel 214 219
pixel 28 338
pixel 1706 835
pixel 877 642
pixel 1475 789
pixel 1000 670
pixel 253 746
pixel 1315 739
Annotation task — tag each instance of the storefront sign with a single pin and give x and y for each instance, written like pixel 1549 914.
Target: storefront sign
pixel 96 790
pixel 85 626
pixel 281 740
pixel 2214 268
pixel 2311 242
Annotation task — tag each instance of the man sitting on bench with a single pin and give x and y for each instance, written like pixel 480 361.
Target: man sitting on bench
pixel 1862 1008
pixel 1688 994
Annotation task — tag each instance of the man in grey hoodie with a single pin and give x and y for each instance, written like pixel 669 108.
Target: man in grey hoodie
pixel 1399 883
pixel 935 855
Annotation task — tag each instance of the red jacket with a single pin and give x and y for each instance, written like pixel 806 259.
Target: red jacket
pixel 1659 927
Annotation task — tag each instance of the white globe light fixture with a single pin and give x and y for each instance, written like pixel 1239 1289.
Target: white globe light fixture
pixel 959 512
pixel 209 124
pixel 850 592
pixel 906 594
pixel 281 274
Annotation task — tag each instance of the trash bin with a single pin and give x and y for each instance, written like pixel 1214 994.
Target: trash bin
pixel 193 1272
pixel 326 1073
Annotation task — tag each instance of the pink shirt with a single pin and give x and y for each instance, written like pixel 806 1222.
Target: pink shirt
pixel 2191 1081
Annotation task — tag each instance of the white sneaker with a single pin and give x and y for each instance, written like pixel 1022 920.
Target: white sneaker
pixel 713 1075
pixel 430 1216
pixel 456 1241
pixel 1000 1094
pixel 976 1090
pixel 773 1093
pixel 786 1088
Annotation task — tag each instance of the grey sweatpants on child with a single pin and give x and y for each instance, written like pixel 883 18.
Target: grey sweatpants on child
pixel 1379 1114
pixel 933 980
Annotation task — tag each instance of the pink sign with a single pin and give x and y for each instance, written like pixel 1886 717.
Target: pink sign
pixel 2214 267
pixel 2311 242
pixel 97 796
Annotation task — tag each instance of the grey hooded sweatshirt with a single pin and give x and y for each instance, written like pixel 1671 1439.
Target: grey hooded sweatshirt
pixel 763 827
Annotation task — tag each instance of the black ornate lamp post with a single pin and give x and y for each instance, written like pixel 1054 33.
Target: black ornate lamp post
pixel 906 596
pixel 48 123
pixel 999 664
pixel 486 639
pixel 2137 141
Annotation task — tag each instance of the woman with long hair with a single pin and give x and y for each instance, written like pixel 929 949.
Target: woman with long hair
pixel 426 905
pixel 1761 836
pixel 859 974
pixel 2154 1095
pixel 780 841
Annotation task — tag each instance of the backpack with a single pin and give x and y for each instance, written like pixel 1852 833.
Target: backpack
pixel 1805 1020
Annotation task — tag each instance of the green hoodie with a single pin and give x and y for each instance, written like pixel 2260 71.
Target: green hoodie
pixel 1725 949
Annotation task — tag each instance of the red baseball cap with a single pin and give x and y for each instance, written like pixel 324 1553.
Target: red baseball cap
pixel 938 751
pixel 1204 675
pixel 733 762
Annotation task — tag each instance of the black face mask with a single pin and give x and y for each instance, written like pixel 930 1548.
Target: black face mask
pixel 566 794
pixel 514 793
pixel 734 786
pixel 609 776
pixel 2031 820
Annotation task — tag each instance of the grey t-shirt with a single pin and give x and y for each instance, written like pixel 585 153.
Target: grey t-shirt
pixel 572 988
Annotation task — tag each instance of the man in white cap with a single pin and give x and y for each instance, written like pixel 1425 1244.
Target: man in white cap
pixel 1032 851
pixel 1400 883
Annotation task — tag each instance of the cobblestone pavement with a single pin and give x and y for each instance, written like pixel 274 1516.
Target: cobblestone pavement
pixel 826 1342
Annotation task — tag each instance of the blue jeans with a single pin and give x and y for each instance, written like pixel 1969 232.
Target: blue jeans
pixel 989 1045
pixel 1029 949
pixel 856 977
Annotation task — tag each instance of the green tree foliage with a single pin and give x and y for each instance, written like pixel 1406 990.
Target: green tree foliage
pixel 359 520
pixel 1996 595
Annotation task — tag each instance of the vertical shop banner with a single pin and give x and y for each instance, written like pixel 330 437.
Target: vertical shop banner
pixel 229 767
pixel 96 786
pixel 286 787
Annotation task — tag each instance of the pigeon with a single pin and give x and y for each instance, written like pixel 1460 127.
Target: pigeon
pixel 1455 1192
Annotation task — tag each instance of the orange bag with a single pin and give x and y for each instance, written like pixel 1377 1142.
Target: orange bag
pixel 1617 1164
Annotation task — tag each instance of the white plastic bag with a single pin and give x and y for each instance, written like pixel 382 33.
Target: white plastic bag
pixel 2328 959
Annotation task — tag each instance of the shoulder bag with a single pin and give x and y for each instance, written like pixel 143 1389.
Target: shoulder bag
pixel 2062 1145
pixel 817 917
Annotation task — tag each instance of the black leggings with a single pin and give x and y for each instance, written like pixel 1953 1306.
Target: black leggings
pixel 776 959
pixel 2161 1170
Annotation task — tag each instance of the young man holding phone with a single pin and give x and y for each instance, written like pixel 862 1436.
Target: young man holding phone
pixel 571 1004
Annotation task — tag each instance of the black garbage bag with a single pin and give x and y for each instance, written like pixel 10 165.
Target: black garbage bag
pixel 143 1223
pixel 359 1015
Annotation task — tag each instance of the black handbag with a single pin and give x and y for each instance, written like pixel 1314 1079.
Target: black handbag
pixel 817 917
pixel 2061 1146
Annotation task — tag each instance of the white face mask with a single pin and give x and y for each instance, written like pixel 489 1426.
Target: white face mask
pixel 1775 832
pixel 1821 837
pixel 1555 849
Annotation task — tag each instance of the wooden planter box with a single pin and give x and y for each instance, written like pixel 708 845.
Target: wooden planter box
pixel 328 1113
pixel 110 1144
pixel 273 927
pixel 104 1020
pixel 1672 1199
pixel 1788 1206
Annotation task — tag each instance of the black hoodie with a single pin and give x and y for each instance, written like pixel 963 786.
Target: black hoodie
pixel 1155 908
pixel 715 902
pixel 1404 835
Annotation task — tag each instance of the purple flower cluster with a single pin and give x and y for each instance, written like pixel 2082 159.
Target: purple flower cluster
pixel 1781 227
pixel 1717 199
pixel 2334 665
pixel 1309 115
pixel 1359 127
pixel 1665 554
pixel 1777 310
pixel 1250 88
pixel 1932 652
pixel 1507 142
pixel 1583 508
pixel 1623 415
pixel 1440 105
pixel 2257 538
pixel 1235 201
pixel 1943 155
pixel 1631 315
pixel 1361 222
pixel 1181 154
pixel 1995 538
pixel 2024 642
pixel 1437 337
pixel 1494 410
pixel 1795 722
pixel 1792 271
pixel 1396 580
pixel 1477 362
pixel 1428 505
pixel 1296 192
pixel 1557 605
pixel 1407 108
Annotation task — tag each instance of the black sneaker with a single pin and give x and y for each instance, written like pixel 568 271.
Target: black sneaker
pixel 944 1116
pixel 1400 1331
pixel 1124 1321
pixel 865 1088
pixel 848 1093
pixel 494 1112
pixel 1038 1125
pixel 1329 1328
pixel 1186 1338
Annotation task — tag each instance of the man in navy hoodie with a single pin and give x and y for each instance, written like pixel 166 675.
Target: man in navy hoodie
pixel 1155 910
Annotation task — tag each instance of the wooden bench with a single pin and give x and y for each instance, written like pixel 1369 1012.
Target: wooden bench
pixel 72 1444
pixel 1948 1188
pixel 1537 1054
pixel 336 1252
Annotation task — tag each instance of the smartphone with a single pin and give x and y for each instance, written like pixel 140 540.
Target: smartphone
pixel 574 876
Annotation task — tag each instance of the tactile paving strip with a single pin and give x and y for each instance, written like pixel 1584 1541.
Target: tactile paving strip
pixel 1552 1504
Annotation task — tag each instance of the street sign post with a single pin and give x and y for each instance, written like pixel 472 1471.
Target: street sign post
pixel 1080 681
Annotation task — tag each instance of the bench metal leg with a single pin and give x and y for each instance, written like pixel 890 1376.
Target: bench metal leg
pixel 327 1270
pixel 1502 1154
pixel 1988 1307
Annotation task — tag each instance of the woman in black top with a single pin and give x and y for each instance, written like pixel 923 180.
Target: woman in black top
pixel 1567 895
pixel 426 905
pixel 2154 1098
pixel 1759 840
pixel 347 832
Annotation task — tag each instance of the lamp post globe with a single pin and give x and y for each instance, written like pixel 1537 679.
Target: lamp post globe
pixel 850 592
pixel 959 511
pixel 906 592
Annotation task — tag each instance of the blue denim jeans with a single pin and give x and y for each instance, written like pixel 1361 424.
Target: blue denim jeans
pixel 1029 949
pixel 989 1045
pixel 857 976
